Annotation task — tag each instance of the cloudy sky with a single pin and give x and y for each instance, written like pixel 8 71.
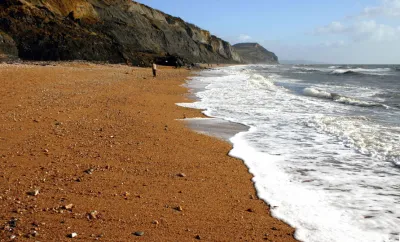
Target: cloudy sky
pixel 331 31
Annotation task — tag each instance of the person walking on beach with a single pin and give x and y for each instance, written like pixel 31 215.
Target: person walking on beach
pixel 154 68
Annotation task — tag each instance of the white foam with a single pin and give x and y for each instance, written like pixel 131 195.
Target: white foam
pixel 312 92
pixel 362 135
pixel 302 208
pixel 342 71
pixel 259 81
pixel 309 69
pixel 375 71
pixel 315 92
pixel 356 102
pixel 319 184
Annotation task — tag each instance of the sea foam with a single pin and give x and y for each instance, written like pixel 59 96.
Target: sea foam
pixel 295 204
pixel 322 170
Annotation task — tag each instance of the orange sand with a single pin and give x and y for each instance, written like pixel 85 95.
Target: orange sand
pixel 105 139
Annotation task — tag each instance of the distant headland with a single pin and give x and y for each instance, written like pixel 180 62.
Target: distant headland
pixel 254 53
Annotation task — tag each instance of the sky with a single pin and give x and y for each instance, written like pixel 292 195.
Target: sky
pixel 330 31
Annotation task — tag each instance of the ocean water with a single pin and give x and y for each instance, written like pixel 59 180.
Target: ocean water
pixel 323 143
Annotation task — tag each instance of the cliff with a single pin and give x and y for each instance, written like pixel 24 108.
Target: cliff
pixel 104 30
pixel 8 49
pixel 254 53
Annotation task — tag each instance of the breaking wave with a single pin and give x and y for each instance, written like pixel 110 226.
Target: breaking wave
pixel 361 71
pixel 313 92
pixel 258 81
pixel 360 133
pixel 345 72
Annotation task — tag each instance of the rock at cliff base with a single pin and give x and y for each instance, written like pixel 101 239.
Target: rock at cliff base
pixel 8 48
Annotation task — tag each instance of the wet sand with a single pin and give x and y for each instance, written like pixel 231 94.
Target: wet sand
pixel 216 127
pixel 97 150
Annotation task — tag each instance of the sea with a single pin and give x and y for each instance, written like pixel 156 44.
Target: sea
pixel 323 143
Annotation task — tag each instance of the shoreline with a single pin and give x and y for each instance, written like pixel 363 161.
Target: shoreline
pixel 212 126
pixel 105 139
pixel 215 127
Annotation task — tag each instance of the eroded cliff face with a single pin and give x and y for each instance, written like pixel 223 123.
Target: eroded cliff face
pixel 254 53
pixel 106 30
pixel 8 49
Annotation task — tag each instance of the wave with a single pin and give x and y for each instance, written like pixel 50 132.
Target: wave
pixel 361 71
pixel 345 72
pixel 374 70
pixel 356 102
pixel 313 92
pixel 260 81
pixel 362 134
pixel 305 69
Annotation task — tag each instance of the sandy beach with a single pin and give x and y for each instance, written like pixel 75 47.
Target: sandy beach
pixel 97 151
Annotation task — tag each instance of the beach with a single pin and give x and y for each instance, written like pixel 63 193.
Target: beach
pixel 98 152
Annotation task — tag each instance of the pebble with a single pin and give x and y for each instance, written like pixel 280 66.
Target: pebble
pixel 155 222
pixel 139 233
pixel 250 210
pixel 68 207
pixel 18 210
pixel 179 208
pixel 34 192
pixel 13 222
pixel 89 171
pixel 93 214
pixel 181 175
pixel 198 237
pixel 72 235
